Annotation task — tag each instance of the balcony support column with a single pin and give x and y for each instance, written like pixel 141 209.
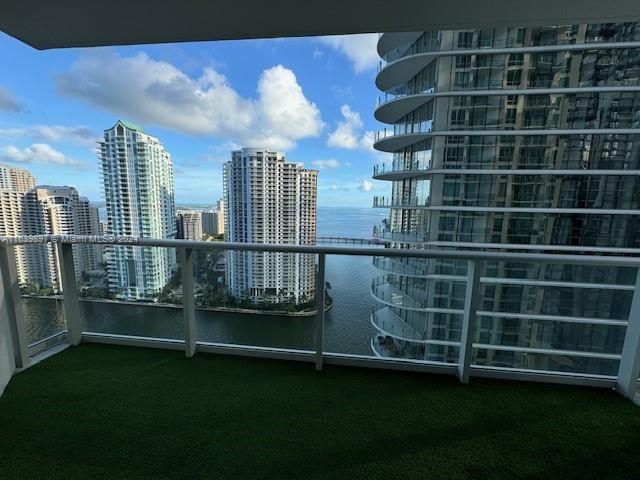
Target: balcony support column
pixel 320 300
pixel 468 332
pixel 629 369
pixel 188 301
pixel 70 302
pixel 10 303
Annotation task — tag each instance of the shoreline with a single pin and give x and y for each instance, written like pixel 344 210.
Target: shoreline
pixel 244 311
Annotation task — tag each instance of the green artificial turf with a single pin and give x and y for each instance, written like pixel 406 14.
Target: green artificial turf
pixel 98 411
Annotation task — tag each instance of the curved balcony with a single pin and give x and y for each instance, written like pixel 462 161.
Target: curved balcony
pixel 390 141
pixel 406 267
pixel 414 203
pixel 398 41
pixel 383 172
pixel 398 237
pixel 389 295
pixel 400 71
pixel 388 323
pixel 392 109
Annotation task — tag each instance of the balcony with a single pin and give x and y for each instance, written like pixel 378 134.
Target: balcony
pixel 402 136
pixel 243 418
pixel 112 396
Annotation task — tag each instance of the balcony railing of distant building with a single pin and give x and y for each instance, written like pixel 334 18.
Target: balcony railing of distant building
pixel 387 292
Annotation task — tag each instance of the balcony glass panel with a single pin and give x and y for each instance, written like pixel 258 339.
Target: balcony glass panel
pixel 262 299
pixel 121 298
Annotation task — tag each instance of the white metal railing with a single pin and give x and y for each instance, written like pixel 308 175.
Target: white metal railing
pixel 626 380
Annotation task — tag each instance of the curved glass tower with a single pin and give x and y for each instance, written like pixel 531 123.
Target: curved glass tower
pixel 510 139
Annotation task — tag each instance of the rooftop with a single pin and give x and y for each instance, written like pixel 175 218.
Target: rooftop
pixel 99 411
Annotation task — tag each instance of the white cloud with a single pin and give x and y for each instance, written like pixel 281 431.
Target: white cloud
pixel 348 132
pixel 52 133
pixel 360 49
pixel 8 101
pixel 39 153
pixel 325 164
pixel 156 92
pixel 366 186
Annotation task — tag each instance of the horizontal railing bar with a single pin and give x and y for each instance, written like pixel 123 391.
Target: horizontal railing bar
pixel 510 281
pixel 530 375
pixel 334 250
pixel 465 208
pixel 132 340
pixel 46 339
pixel 547 351
pixel 554 318
pixel 502 172
pixel 256 351
pixel 553 283
pixel 354 360
pixel 349 360
pixel 496 92
pixel 518 246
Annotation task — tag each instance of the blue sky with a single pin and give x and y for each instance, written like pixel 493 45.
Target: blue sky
pixel 310 97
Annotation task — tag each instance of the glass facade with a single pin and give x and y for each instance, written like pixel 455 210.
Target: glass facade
pixel 527 140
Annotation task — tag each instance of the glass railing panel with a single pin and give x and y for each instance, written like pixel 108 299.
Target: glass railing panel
pixel 348 327
pixel 41 293
pixel 43 316
pixel 134 291
pixel 545 362
pixel 255 299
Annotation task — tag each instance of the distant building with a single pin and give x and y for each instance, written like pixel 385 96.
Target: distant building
pixel 213 221
pixel 271 201
pixel 189 225
pixel 220 216
pixel 45 210
pixel 59 210
pixel 139 194
pixel 15 184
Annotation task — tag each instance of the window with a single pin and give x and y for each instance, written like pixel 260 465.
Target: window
pixel 465 39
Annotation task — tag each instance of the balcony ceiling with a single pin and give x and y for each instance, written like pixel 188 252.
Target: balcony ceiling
pixel 82 23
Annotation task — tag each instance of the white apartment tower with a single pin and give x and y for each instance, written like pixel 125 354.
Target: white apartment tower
pixel 271 201
pixel 139 193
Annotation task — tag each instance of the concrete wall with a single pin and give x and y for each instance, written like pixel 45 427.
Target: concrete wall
pixel 7 359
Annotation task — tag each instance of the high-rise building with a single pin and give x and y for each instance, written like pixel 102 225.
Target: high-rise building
pixel 269 200
pixel 219 217
pixel 139 194
pixel 213 221
pixel 190 225
pixel 45 210
pixel 59 210
pixel 507 139
pixel 15 184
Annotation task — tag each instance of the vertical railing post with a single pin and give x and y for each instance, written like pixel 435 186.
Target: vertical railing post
pixel 188 301
pixel 629 368
pixel 11 304
pixel 320 299
pixel 70 303
pixel 469 320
